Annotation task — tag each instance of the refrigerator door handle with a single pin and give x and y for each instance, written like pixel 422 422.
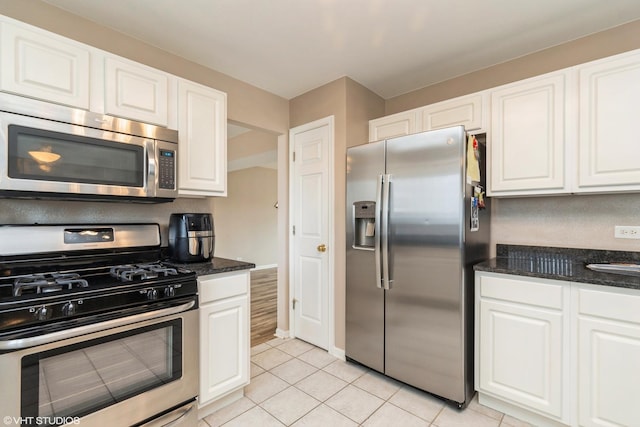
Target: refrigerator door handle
pixel 377 230
pixel 386 192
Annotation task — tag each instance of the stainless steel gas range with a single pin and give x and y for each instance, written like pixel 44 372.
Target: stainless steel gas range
pixel 94 329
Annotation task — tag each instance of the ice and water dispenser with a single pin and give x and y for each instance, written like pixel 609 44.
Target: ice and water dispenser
pixel 364 227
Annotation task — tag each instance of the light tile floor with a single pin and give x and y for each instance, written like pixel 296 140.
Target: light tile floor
pixel 296 384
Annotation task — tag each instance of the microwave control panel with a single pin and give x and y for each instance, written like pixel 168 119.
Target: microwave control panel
pixel 167 169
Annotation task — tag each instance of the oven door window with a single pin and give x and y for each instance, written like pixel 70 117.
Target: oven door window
pixel 39 154
pixel 76 380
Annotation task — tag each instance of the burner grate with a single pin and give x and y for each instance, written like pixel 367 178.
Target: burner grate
pixel 43 283
pixel 130 272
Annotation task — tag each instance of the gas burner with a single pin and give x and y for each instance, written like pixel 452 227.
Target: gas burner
pixel 51 282
pixel 129 272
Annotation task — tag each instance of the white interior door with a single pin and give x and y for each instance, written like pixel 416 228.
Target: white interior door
pixel 310 224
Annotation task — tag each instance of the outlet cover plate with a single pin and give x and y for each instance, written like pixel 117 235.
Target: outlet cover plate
pixel 627 232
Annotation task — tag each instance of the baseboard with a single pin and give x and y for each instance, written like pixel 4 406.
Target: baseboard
pixel 280 333
pixel 338 352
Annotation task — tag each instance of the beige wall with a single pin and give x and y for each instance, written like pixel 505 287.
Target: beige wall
pixel 246 220
pixel 250 144
pixel 352 106
pixel 616 40
pixel 566 221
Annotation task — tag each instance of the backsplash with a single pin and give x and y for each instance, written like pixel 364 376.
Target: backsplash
pixel 16 211
pixel 582 221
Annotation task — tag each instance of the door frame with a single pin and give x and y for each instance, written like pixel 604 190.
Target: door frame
pixel 326 121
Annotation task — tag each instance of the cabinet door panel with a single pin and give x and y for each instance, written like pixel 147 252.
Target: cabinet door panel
pixel 521 355
pixel 399 124
pixel 609 117
pixel 136 92
pixel 44 66
pixel 467 111
pixel 609 373
pixel 527 150
pixel 224 340
pixel 202 126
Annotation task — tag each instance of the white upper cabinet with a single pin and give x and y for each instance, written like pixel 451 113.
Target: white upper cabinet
pixel 470 111
pixel 609 157
pixel 135 91
pixel 529 136
pixel 202 129
pixel 399 124
pixel 44 66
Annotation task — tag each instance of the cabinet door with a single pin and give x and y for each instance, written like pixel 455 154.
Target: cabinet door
pixel 135 91
pixel 608 356
pixel 469 111
pixel 609 373
pixel 528 137
pixel 399 124
pixel 202 127
pixel 224 347
pixel 45 66
pixel 609 117
pixel 521 356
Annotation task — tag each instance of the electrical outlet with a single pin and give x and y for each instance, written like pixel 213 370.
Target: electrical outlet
pixel 627 232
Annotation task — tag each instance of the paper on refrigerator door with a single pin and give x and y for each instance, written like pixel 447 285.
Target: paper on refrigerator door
pixel 473 165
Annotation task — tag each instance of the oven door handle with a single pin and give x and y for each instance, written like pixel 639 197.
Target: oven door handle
pixel 20 343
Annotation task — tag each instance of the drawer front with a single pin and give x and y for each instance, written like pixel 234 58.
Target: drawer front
pixel 520 289
pixel 218 286
pixel 612 303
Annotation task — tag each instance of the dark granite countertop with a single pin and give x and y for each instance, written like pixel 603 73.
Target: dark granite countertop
pixel 561 264
pixel 215 266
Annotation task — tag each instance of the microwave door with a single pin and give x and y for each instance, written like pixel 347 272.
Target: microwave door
pixel 55 158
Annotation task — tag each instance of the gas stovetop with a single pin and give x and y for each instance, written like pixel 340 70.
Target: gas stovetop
pixel 81 278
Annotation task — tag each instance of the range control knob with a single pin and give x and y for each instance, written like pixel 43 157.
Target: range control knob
pixel 169 291
pixel 42 313
pixel 152 294
pixel 69 309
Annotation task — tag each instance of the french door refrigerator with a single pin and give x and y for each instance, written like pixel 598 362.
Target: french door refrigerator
pixel 415 228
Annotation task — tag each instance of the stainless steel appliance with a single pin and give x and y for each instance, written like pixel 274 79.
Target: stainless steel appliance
pixel 410 252
pixel 191 237
pixel 52 151
pixel 94 329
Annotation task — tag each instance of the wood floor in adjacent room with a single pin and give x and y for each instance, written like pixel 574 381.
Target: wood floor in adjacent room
pixel 264 292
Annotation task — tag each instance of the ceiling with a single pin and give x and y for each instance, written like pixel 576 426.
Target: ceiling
pixel 288 47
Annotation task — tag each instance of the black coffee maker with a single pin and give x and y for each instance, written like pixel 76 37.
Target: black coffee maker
pixel 191 237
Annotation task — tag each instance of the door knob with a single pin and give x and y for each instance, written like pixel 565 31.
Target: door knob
pixel 322 248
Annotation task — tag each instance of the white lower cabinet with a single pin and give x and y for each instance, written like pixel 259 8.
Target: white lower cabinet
pixel 558 353
pixel 522 347
pixel 224 334
pixel 608 356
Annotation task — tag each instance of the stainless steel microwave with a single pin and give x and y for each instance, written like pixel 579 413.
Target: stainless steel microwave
pixel 53 151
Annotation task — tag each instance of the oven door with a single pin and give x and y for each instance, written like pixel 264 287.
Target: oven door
pixel 120 376
pixel 50 157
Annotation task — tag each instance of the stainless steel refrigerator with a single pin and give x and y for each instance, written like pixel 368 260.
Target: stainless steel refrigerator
pixel 415 228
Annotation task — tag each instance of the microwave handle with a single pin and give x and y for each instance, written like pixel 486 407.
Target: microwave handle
pixel 151 167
